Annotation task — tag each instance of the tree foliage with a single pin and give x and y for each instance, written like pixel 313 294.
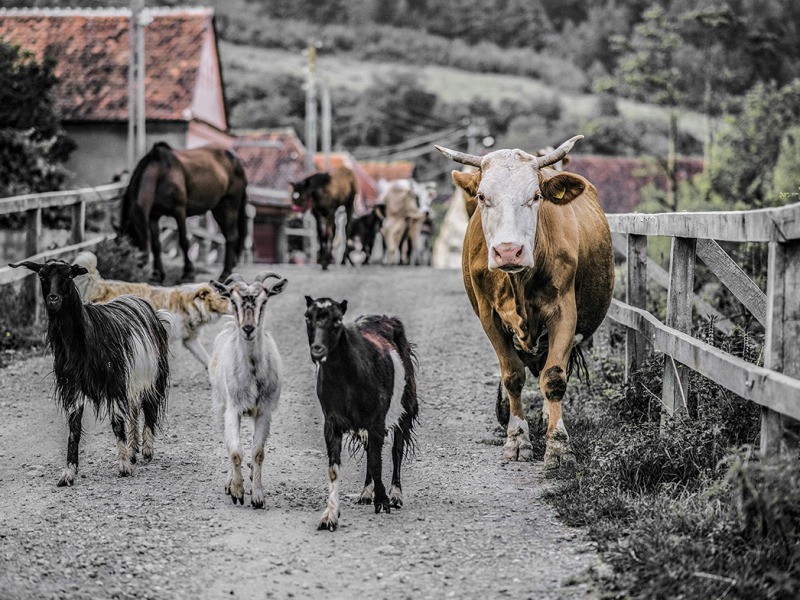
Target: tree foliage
pixel 33 146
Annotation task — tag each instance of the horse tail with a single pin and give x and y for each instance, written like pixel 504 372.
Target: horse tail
pixel 242 220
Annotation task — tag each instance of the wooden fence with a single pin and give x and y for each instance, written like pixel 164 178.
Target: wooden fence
pixel 775 385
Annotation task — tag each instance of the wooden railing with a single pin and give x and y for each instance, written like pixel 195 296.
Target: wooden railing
pixel 774 386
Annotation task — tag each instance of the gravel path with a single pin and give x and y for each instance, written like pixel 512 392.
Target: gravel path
pixel 471 527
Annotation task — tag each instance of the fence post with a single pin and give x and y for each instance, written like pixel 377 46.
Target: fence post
pixel 636 295
pixel 30 285
pixel 782 352
pixel 78 222
pixel 679 316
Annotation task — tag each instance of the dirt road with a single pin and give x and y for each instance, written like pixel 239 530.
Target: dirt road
pixel 471 527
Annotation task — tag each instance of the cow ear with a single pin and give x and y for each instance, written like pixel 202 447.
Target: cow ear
pixel 343 306
pixel 309 301
pixel 468 182
pixel 563 188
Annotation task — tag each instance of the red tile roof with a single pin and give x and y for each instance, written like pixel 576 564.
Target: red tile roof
pixel 273 159
pixel 93 49
pixel 399 169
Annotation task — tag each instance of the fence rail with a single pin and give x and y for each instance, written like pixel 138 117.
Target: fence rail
pixel 775 386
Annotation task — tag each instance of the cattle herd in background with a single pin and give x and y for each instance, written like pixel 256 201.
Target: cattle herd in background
pixel 538 271
pixel 401 217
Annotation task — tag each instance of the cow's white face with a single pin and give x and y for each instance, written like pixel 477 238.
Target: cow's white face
pixel 508 198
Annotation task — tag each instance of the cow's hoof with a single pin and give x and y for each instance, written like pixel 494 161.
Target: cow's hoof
pixel 559 459
pixel 257 499
pixel 518 449
pixel 67 476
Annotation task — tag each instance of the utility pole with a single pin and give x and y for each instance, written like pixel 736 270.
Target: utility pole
pixel 136 7
pixel 476 126
pixel 326 125
pixel 311 108
pixel 141 113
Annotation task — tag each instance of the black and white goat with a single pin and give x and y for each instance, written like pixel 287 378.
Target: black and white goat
pixel 366 382
pixel 246 373
pixel 114 356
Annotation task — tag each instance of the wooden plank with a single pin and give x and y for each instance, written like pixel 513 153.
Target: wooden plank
pixel 763 225
pixel 78 223
pixel 102 193
pixel 763 386
pixel 782 351
pixel 732 276
pixel 33 235
pixel 679 316
pixel 660 275
pixel 10 275
pixel 636 295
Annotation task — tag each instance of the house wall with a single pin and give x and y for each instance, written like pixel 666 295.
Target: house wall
pixel 102 149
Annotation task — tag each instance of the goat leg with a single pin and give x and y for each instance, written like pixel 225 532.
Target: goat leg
pixel 75 419
pixel 118 426
pixel 374 462
pixel 260 435
pixel 233 422
pixel 333 441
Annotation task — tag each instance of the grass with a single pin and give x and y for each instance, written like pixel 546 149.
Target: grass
pixel 684 511
pixel 257 65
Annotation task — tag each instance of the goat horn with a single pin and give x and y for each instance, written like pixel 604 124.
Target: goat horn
pixel 264 274
pixel 460 157
pixel 556 155
pixel 233 278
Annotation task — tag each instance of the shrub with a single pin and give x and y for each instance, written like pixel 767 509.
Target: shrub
pixel 121 260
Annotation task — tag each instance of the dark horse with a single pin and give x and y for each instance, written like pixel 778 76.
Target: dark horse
pixel 323 193
pixel 185 183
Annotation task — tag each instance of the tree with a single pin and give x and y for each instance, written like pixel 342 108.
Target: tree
pixel 33 146
pixel 647 72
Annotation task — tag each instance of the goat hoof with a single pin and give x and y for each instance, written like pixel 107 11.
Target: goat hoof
pixel 257 499
pixel 67 477
pixel 364 500
pixel 125 469
pixel 382 505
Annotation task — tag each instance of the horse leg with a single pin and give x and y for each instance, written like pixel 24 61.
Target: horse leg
pixel 228 223
pixel 155 247
pixel 348 233
pixel 183 239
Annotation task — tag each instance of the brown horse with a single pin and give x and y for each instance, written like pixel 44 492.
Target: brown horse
pixel 323 193
pixel 181 184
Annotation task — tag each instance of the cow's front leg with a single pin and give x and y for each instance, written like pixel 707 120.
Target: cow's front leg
pixel 553 383
pixel 333 441
pixel 75 427
pixel 518 442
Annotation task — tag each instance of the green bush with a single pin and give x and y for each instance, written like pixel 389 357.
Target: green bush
pixel 119 259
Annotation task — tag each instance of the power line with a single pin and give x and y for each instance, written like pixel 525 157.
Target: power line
pixel 413 143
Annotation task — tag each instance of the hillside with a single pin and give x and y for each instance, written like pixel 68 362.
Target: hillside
pixel 246 66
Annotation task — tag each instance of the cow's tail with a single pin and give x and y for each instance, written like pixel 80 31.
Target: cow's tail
pixel 577 363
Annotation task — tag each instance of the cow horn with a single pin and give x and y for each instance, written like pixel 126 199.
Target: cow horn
pixel 265 274
pixel 557 154
pixel 460 157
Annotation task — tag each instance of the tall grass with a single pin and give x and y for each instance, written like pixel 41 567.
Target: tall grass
pixel 684 511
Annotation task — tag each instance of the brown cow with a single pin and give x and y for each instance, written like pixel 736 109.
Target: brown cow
pixel 323 193
pixel 539 271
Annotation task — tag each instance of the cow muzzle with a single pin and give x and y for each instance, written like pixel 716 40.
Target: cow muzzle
pixel 508 257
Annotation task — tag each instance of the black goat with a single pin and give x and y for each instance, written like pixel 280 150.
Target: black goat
pixel 366 382
pixel 113 355
pixel 365 229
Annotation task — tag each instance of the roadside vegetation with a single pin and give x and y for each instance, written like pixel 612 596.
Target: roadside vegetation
pixel 683 510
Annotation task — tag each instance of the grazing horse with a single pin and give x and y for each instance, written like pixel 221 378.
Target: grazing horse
pixel 181 184
pixel 323 193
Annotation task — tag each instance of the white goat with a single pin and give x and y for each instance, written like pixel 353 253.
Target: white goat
pixel 246 374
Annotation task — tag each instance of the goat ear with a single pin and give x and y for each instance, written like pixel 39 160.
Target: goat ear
pixel 343 306
pixel 222 289
pixel 76 270
pixel 278 288
pixel 309 301
pixel 27 264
